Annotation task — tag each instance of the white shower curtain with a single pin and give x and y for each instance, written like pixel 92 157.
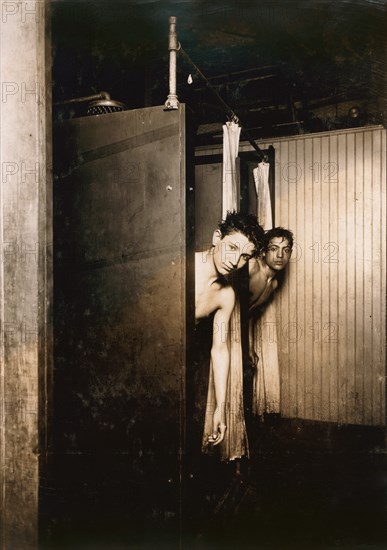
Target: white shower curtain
pixel 266 377
pixel 235 443
pixel 230 180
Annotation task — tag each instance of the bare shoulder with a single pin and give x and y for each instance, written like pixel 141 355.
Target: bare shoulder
pixel 227 298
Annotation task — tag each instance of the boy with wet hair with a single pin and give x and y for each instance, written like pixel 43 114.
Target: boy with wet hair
pixel 265 267
pixel 238 239
pixel 246 224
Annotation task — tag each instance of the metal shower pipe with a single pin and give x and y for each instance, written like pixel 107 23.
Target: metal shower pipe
pixel 173 47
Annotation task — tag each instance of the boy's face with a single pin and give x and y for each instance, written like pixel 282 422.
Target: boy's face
pixel 231 252
pixel 278 253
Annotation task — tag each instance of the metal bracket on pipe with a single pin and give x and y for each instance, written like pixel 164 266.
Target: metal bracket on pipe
pixel 173 46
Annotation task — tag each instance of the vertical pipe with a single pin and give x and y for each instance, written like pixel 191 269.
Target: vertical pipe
pixel 173 46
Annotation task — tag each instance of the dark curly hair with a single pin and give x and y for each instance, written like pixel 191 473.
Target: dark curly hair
pixel 280 232
pixel 247 224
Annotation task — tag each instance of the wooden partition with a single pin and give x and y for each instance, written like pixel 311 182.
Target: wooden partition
pixel 330 190
pixel 120 324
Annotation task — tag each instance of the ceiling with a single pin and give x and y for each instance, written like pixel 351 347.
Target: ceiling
pixel 284 67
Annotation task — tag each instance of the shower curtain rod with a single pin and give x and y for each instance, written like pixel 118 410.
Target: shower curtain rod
pixel 230 113
pixel 172 103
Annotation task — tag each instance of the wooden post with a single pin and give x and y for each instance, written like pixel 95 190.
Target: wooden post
pixel 25 264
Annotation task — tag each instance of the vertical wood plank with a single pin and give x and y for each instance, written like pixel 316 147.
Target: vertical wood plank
pixel 351 278
pixel 290 329
pixel 381 380
pixel 343 243
pixel 325 290
pixel 318 198
pixel 330 256
pixel 376 273
pixel 359 279
pixel 300 325
pixel 308 278
pixel 368 207
pixel 283 190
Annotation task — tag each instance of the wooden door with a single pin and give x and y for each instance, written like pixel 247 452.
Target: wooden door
pixel 120 323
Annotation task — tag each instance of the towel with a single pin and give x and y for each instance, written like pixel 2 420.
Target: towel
pixel 266 396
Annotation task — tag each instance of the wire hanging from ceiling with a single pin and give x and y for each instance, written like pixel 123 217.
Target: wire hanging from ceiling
pixel 174 47
pixel 229 112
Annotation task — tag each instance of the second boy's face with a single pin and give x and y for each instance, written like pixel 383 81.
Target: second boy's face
pixel 231 252
pixel 278 253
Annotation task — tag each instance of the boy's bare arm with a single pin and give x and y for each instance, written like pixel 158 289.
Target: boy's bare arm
pixel 220 356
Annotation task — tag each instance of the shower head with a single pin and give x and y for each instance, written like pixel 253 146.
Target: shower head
pixel 98 104
pixel 103 106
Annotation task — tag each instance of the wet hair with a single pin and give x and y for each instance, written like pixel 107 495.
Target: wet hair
pixel 247 224
pixel 280 232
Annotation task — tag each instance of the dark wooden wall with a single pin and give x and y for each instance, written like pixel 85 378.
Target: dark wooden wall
pixel 119 305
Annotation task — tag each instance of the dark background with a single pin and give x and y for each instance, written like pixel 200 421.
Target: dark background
pixel 284 67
